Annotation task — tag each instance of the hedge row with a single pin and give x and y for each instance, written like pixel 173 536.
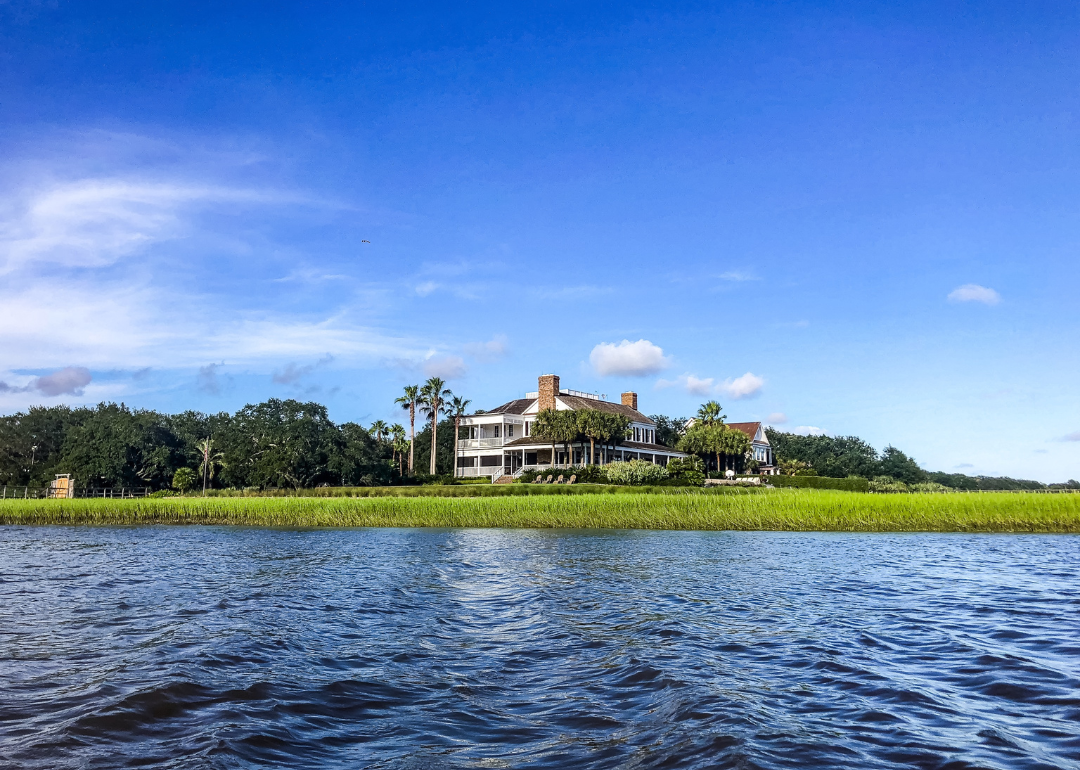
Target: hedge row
pixel 850 484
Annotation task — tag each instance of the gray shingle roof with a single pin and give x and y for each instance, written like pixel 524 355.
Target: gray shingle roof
pixel 519 405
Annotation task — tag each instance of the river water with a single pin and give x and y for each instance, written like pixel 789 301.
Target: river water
pixel 388 648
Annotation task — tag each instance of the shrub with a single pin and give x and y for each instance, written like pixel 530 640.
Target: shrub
pixel 183 480
pixel 850 484
pixel 930 486
pixel 689 471
pixel 634 473
pixel 888 485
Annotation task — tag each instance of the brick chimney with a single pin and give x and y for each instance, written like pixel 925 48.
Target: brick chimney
pixel 549 388
pixel 630 400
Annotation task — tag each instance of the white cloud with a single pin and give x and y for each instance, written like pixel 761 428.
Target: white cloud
pixel 746 386
pixel 446 367
pixel 426 288
pixel 809 430
pixel 492 350
pixel 963 465
pixel 776 418
pixel 626 358
pixel 972 292
pixel 698 386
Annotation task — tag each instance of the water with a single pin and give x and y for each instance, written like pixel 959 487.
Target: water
pixel 224 647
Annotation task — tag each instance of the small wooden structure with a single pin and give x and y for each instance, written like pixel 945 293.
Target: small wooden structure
pixel 62 487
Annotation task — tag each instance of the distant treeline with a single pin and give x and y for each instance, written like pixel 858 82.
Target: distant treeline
pixel 275 444
pixel 280 444
pixel 842 456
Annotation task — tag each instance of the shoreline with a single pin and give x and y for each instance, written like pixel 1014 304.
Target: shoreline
pixel 630 508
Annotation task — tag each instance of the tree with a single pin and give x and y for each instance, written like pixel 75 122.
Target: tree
pixel 709 413
pixel 833 456
pixel 281 443
pixel 398 445
pixel 668 429
pixel 715 439
pixel 546 426
pixel 357 459
pixel 901 467
pixel 408 401
pixel 567 431
pixel 378 429
pixel 456 409
pixel 183 480
pixel 591 424
pixel 433 397
pixel 208 460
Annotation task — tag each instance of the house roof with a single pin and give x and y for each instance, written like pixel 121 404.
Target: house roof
pixel 749 428
pixel 576 402
pixel 634 446
pixel 519 405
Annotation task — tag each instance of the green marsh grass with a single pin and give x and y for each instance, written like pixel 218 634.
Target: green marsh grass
pixel 665 508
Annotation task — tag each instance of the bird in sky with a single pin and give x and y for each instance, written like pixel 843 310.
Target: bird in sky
pixel 365 241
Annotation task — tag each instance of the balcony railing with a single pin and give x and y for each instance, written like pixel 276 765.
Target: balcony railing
pixel 479 443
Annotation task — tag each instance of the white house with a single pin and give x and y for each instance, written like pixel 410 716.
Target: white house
pixel 499 442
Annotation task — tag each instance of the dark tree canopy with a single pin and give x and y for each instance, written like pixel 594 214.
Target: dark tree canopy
pixel 278 443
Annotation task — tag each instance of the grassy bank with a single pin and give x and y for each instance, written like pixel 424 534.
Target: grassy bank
pixel 796 510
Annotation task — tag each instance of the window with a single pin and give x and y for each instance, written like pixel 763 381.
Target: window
pixel 466 462
pixel 497 430
pixel 491 461
pixel 509 431
pixel 526 428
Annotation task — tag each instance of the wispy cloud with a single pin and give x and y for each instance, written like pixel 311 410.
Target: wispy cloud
pixel 809 430
pixel 1074 436
pixel 973 292
pixel 628 359
pixel 208 380
pixel 492 350
pixel 426 288
pixel 748 385
pixel 293 373
pixel 446 367
pixel 738 276
pixel 961 466
pixel 777 418
pixel 95 222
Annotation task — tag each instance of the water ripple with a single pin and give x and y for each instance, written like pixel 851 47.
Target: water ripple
pixel 226 648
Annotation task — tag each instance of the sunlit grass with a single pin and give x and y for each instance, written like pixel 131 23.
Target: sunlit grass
pixel 796 510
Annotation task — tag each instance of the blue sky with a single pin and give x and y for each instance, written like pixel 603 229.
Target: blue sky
pixel 848 217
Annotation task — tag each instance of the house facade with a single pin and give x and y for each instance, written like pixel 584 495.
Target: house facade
pixel 499 442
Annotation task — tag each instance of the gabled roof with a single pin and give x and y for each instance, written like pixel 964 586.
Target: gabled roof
pixel 749 428
pixel 517 406
pixel 576 402
pixel 521 405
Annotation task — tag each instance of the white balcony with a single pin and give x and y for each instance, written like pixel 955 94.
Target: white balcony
pixel 480 443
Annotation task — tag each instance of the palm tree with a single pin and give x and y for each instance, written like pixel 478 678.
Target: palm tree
pixel 380 429
pixel 457 408
pixel 397 433
pixel 433 398
pixel 408 401
pixel 709 413
pixel 209 460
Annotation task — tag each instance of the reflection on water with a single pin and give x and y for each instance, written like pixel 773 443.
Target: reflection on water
pixel 189 647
